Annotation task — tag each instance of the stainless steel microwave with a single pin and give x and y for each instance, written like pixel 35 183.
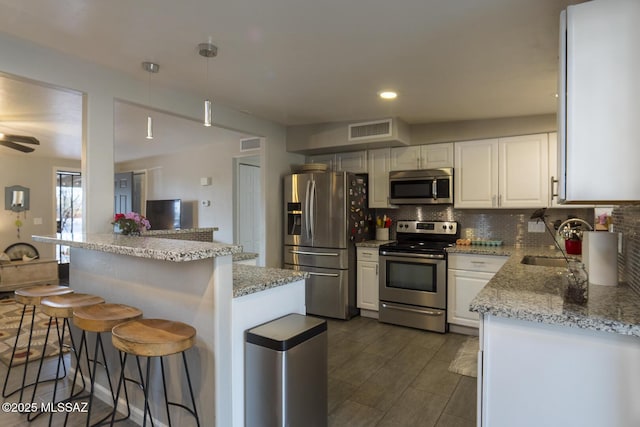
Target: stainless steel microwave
pixel 421 187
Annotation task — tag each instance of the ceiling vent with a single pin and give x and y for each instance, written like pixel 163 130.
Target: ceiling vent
pixel 382 132
pixel 370 130
pixel 249 144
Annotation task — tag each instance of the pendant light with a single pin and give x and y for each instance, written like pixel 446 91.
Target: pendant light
pixel 208 50
pixel 151 68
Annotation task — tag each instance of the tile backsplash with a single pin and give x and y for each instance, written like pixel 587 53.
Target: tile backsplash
pixel 508 225
pixel 626 220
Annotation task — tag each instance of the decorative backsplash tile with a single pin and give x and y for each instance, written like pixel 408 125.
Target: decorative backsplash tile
pixel 626 220
pixel 508 225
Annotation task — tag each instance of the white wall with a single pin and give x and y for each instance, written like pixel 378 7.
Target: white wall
pixel 37 174
pixel 177 176
pixel 101 86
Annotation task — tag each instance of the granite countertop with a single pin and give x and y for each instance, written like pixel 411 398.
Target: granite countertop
pixel 536 294
pixel 373 243
pixel 145 247
pixel 249 279
pixel 153 232
pixel 243 256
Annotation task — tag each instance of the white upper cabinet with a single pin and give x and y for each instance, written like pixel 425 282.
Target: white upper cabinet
pixel 379 165
pixel 476 174
pixel 553 175
pixel 524 172
pixel 355 161
pixel 502 173
pixel 327 159
pixel 422 157
pixel 599 102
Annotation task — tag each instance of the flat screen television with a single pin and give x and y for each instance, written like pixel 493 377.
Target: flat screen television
pixel 164 214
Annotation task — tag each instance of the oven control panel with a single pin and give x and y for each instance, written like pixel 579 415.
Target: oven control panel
pixel 427 227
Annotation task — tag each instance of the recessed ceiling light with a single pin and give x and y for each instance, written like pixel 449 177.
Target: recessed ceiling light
pixel 388 95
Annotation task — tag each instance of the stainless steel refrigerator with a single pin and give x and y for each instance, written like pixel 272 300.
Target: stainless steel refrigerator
pixel 325 214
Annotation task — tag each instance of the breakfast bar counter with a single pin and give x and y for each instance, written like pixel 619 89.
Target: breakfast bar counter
pixel 192 282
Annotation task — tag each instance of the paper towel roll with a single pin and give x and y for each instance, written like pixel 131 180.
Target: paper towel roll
pixel 600 257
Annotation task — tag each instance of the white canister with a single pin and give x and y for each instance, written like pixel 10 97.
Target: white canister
pixel 382 234
pixel 600 257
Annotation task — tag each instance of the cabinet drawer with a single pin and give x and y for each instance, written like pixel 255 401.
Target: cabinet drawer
pixel 367 254
pixel 487 263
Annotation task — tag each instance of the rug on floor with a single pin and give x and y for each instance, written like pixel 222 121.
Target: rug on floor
pixel 10 313
pixel 466 360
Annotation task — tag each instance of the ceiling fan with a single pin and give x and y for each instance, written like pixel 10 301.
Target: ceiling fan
pixel 16 141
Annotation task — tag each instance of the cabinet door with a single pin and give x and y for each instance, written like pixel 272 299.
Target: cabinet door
pixel 553 175
pixel 355 162
pixel 523 180
pixel 379 166
pixel 367 285
pixel 327 159
pixel 463 286
pixel 476 174
pixel 436 156
pixel 405 158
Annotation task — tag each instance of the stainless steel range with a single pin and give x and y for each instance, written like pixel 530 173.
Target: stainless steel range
pixel 413 275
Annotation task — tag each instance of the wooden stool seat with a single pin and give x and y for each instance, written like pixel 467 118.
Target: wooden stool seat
pixel 153 337
pixel 103 317
pixel 32 295
pixel 62 306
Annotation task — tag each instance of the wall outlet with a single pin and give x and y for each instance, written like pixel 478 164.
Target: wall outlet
pixel 206 203
pixel 536 227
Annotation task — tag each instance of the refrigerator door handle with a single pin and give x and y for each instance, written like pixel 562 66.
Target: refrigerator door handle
pixel 306 211
pixel 323 274
pixel 313 253
pixel 312 209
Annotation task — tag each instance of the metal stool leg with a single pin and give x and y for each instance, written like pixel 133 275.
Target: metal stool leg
pixel 193 411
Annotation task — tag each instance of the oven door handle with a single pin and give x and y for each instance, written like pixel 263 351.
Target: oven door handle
pixel 408 255
pixel 412 310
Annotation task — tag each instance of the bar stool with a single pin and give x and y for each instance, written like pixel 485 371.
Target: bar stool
pixel 29 297
pixel 61 307
pixel 101 318
pixel 155 338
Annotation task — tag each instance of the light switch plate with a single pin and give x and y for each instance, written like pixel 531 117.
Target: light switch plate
pixel 536 227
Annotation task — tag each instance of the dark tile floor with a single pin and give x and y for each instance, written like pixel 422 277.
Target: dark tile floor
pixel 386 375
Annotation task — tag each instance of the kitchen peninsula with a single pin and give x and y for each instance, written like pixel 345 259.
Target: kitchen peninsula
pixel 193 282
pixel 544 360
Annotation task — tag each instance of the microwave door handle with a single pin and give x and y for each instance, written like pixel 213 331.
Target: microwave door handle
pixel 434 189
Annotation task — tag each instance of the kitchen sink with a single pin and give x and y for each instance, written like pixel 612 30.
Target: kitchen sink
pixel 544 261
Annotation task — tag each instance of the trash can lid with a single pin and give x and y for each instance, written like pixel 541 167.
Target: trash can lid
pixel 286 332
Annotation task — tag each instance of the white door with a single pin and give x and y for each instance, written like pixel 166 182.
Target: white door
pixel 249 212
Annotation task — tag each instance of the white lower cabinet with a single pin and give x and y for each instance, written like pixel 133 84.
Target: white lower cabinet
pixel 367 280
pixel 468 274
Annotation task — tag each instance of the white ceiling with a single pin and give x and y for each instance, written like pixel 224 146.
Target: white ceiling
pixel 308 61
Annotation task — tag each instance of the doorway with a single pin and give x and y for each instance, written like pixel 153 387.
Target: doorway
pixel 248 213
pixel 68 192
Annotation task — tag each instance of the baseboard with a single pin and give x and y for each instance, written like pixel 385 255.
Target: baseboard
pixel 368 313
pixel 465 330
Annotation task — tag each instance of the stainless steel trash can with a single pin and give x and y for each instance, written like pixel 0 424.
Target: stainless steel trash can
pixel 286 373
